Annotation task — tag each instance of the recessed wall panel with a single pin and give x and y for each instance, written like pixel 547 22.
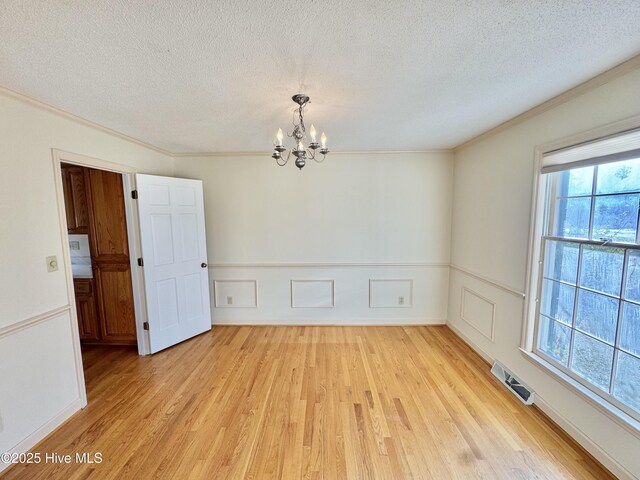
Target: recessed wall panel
pixel 390 293
pixel 235 293
pixel 312 294
pixel 478 311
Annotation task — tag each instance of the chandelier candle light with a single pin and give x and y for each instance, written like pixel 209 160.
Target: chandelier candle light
pixel 299 134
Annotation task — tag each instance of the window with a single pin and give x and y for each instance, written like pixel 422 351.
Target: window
pixel 587 318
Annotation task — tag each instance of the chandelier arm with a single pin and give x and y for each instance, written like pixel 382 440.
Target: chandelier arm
pixel 319 161
pixel 284 162
pixel 311 154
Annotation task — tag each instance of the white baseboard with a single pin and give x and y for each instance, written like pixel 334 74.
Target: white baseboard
pixel 363 322
pixel 579 436
pixel 487 358
pixel 37 436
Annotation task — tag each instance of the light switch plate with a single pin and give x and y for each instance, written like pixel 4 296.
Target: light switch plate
pixel 52 263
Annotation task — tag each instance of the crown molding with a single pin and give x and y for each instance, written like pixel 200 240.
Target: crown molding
pixel 605 77
pixel 75 118
pixel 339 152
pixel 597 81
pixel 83 121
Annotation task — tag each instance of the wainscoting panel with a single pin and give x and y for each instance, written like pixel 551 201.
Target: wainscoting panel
pixel 479 312
pixel 333 294
pixel 235 293
pixel 312 294
pixel 37 362
pixel 389 293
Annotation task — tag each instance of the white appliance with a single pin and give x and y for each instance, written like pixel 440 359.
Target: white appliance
pixel 80 256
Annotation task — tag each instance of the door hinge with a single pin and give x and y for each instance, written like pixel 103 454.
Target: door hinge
pixel 134 194
pixel 140 262
pixel 145 325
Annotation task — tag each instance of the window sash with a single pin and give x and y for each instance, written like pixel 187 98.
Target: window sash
pixel 548 221
pixel 553 197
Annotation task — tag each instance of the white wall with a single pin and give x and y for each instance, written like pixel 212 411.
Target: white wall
pixel 491 214
pixel 38 386
pixel 352 219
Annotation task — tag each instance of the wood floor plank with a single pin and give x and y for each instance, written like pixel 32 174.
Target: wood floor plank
pixel 306 403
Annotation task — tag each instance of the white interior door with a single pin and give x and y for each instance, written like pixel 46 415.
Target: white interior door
pixel 174 252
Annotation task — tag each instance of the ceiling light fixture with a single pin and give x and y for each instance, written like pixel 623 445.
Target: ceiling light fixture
pixel 299 134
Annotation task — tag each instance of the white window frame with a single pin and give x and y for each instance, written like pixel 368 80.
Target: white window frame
pixel 607 404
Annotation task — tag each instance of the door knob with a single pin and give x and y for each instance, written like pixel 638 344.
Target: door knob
pixel 203 265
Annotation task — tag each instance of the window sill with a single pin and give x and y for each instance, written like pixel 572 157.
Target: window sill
pixel 621 418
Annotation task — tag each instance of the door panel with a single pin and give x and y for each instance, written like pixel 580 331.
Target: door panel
pixel 86 309
pixel 109 226
pixel 161 233
pixel 189 237
pixel 78 192
pixel 193 292
pixel 75 199
pixel 114 284
pixel 167 296
pixel 174 249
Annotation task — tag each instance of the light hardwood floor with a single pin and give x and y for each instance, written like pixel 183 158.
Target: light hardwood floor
pixel 307 402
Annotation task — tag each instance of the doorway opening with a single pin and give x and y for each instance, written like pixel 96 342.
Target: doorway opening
pixel 98 245
pixel 100 238
pixel 110 217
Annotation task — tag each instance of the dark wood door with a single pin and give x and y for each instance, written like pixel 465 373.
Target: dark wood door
pixel 86 310
pixel 75 199
pixel 110 256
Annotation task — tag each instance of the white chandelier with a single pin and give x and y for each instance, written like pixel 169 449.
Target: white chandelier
pixel 299 134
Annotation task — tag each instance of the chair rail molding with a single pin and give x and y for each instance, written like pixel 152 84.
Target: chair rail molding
pixel 32 321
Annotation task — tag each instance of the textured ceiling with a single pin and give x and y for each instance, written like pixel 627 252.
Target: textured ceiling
pixel 193 76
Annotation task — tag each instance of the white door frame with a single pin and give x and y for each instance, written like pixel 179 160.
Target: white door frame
pixel 133 234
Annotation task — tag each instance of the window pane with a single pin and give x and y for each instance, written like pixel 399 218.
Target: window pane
pixel 572 217
pixel 597 315
pixel 619 177
pixel 616 218
pixel 557 301
pixel 561 261
pixel 626 385
pixel 601 269
pixel 630 328
pixel 592 360
pixel 632 288
pixel 578 181
pixel 554 339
